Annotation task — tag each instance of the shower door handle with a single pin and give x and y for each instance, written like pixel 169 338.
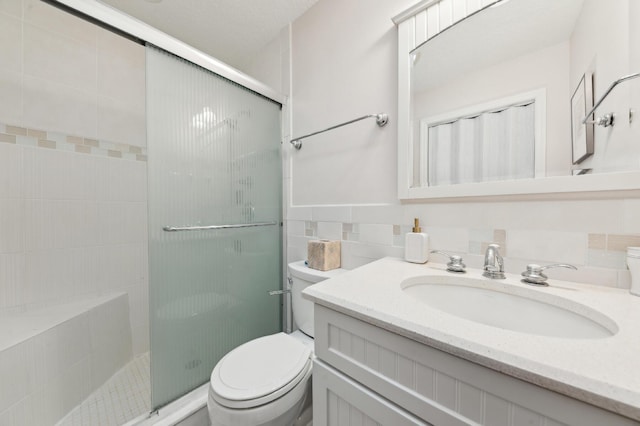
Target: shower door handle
pixel 278 292
pixel 212 227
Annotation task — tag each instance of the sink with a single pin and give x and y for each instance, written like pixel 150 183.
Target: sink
pixel 509 306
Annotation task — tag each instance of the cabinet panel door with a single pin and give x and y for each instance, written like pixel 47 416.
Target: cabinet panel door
pixel 339 401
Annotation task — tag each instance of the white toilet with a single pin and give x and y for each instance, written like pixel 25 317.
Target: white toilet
pixel 266 381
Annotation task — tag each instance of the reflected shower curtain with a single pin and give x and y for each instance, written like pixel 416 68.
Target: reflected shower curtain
pixel 214 159
pixel 497 145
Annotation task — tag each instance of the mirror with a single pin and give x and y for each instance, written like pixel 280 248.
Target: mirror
pixel 537 65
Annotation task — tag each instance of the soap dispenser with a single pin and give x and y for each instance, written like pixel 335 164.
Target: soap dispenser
pixel 416 245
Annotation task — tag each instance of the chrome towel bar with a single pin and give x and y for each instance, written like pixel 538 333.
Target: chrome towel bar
pixel 608 119
pixel 210 227
pixel 381 120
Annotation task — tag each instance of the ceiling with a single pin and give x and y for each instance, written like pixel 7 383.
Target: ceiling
pixel 232 31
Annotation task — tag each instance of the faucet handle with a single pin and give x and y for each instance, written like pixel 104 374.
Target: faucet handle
pixel 455 262
pixel 534 276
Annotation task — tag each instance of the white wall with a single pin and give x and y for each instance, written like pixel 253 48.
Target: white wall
pixel 344 56
pixel 72 163
pixel 343 68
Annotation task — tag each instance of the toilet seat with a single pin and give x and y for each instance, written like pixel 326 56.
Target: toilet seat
pixel 260 371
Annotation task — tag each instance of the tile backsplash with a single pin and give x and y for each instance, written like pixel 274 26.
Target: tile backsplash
pixel 380 232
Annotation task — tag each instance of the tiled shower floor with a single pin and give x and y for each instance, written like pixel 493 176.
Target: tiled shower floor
pixel 125 396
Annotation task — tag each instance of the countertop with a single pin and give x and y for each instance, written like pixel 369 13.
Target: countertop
pixel 604 372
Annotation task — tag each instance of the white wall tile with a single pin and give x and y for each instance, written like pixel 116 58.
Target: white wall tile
pixel 74 341
pixel 16 382
pixel 67 175
pixel 549 246
pixel 295 227
pixel 10 43
pixel 85 269
pixel 58 58
pixel 631 216
pixel 12 280
pixel 330 230
pixel 59 22
pixel 121 180
pixel 121 70
pixel 11 7
pixel 11 171
pixel 296 248
pixel 12 224
pixel 31 173
pixel 120 121
pixel 376 234
pixel 58 107
pixel 122 222
pixel 11 110
pixel 19 414
pixel 48 276
pixel 455 240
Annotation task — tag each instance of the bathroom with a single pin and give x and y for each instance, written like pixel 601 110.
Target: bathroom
pixel 84 232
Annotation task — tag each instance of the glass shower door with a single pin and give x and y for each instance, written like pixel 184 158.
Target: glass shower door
pixel 214 220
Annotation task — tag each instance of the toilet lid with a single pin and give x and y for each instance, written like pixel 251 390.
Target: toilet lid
pixel 260 371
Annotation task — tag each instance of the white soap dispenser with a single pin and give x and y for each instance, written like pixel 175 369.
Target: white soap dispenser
pixel 416 245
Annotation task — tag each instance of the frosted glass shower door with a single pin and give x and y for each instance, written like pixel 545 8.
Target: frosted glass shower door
pixel 214 160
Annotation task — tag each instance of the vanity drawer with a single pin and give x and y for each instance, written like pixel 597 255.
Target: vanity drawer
pixel 441 388
pixel 339 401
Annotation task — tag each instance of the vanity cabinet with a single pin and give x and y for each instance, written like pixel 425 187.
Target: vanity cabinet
pixel 365 375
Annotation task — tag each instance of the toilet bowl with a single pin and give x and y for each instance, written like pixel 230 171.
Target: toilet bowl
pixel 267 381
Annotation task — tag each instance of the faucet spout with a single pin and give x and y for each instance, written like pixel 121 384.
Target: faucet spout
pixel 493 263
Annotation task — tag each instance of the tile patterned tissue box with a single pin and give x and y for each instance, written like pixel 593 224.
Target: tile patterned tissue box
pixel 323 255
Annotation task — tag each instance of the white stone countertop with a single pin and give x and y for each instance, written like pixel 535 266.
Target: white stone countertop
pixel 604 372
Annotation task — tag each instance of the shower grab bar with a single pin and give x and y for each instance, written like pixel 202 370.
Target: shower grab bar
pixel 606 93
pixel 210 227
pixel 381 120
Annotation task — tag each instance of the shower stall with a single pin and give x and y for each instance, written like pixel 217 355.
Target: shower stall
pixel 140 214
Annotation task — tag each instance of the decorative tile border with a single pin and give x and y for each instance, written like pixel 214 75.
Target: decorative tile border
pixel 61 142
pixel 607 251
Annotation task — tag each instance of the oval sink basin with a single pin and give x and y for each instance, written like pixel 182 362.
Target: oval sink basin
pixel 472 300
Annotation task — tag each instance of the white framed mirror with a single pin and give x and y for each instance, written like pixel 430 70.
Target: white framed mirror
pixel 487 88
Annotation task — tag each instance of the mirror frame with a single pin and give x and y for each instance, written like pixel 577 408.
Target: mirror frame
pixel 412 32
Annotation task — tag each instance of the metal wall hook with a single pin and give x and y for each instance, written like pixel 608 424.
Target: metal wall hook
pixel 604 121
pixel 381 121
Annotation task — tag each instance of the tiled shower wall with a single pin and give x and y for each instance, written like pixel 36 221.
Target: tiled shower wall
pixel 592 235
pixel 73 191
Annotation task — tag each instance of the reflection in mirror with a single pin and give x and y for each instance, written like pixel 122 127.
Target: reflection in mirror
pixel 494 95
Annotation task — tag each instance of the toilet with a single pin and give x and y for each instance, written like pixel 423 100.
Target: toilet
pixel 267 381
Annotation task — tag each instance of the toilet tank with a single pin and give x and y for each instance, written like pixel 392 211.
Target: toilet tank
pixel 301 277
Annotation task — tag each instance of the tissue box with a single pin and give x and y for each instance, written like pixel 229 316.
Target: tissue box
pixel 323 255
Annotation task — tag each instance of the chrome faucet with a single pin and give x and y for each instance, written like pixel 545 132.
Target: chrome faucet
pixel 493 263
